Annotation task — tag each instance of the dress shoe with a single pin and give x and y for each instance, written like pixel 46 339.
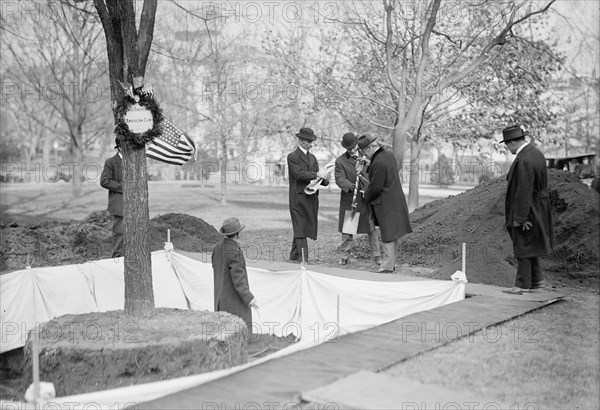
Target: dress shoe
pixel 516 291
pixel 541 285
pixel 381 270
pixel 378 260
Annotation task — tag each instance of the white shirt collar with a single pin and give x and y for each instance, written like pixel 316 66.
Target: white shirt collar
pixel 303 150
pixel 120 155
pixel 520 149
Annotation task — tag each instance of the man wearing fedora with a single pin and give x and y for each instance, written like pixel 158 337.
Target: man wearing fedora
pixel 232 291
pixel 303 168
pixel 385 194
pixel 346 169
pixel 527 210
pixel 111 179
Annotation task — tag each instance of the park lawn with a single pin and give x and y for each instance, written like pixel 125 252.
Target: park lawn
pixel 548 358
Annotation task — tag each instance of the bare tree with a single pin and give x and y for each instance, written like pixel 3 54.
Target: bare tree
pixel 55 64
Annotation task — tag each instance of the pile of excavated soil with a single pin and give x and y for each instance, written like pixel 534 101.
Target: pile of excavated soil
pixel 53 243
pixel 476 217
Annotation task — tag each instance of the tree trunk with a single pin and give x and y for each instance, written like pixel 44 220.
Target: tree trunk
pixel 76 167
pixel 223 172
pixel 46 148
pixel 399 144
pixel 128 49
pixel 413 186
pixel 139 294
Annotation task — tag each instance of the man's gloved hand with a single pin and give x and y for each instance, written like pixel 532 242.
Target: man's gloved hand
pixel 254 304
pixel 525 225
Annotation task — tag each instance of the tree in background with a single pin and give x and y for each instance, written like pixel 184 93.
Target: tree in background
pixel 413 59
pixel 54 69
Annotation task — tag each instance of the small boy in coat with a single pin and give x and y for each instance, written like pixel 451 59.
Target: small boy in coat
pixel 232 291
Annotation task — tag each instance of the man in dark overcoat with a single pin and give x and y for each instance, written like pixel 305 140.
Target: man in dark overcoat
pixel 527 210
pixel 303 168
pixel 346 169
pixel 111 179
pixel 385 194
pixel 232 290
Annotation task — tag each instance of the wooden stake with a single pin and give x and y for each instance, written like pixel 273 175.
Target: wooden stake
pixel 168 235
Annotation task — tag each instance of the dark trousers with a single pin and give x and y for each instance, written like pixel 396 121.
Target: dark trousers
pixel 529 272
pixel 296 253
pixel 117 230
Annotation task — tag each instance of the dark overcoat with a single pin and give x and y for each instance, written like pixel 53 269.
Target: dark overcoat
pixel 303 208
pixel 232 291
pixel 111 179
pixel 385 194
pixel 345 178
pixel 527 200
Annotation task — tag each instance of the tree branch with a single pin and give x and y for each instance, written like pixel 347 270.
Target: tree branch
pixel 145 33
pixel 499 40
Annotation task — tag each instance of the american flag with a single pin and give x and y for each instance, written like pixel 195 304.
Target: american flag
pixel 173 146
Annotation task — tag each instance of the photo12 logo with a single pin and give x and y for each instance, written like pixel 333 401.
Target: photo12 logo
pixel 38 172
pixel 268 11
pixel 51 92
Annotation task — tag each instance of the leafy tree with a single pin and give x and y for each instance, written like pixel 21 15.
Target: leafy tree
pixel 409 64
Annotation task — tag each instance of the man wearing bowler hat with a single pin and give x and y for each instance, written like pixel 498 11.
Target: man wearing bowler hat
pixel 303 168
pixel 111 179
pixel 385 194
pixel 347 166
pixel 232 291
pixel 527 210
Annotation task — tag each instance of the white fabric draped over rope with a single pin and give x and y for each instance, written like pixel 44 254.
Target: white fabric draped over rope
pixel 312 306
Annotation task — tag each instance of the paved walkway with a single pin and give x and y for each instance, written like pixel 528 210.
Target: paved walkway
pixel 279 383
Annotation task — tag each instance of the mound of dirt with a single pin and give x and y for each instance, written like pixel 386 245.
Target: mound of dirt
pixel 97 351
pixel 55 243
pixel 476 217
pixel 188 233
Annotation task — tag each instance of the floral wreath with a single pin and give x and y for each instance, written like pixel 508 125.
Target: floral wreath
pixel 144 97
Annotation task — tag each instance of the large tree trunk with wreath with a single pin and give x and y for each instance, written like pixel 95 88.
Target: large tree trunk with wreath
pixel 128 51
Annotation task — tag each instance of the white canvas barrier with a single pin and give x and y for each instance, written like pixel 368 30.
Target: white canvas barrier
pixel 33 296
pixel 315 307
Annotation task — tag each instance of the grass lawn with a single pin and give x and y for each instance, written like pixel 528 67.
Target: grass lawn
pixel 547 359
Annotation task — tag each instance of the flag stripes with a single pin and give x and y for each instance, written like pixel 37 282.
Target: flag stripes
pixel 172 147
